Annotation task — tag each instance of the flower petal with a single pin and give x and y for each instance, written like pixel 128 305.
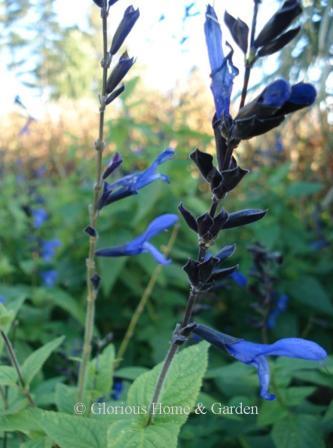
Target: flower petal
pixel 222 69
pixel 158 225
pixel 148 176
pixel 213 35
pixel 159 257
pixel 296 348
pixel 262 366
pixel 132 248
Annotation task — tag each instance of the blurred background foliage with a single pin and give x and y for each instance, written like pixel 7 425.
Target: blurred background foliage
pixel 46 183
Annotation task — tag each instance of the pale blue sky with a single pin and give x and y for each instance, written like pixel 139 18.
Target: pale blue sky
pixel 156 45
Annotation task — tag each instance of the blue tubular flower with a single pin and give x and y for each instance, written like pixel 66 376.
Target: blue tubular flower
pixel 268 109
pixel 239 278
pixel 49 278
pixel 276 94
pixel 117 389
pixel 48 249
pixel 280 306
pixel 222 69
pixel 302 95
pixel 39 215
pixel 131 184
pixel 140 244
pixel 2 299
pixel 255 354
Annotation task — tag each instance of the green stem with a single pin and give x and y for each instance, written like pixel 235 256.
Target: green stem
pixel 91 266
pixel 16 365
pixel 143 301
pixel 251 59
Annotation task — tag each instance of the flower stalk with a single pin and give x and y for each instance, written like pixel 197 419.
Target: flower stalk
pixel 90 263
pixel 250 60
pixel 257 117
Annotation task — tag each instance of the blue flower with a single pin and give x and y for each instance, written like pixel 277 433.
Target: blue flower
pixel 319 244
pixel 39 215
pixel 132 183
pixel 239 278
pixel 49 278
pixel 140 244
pixel 222 69
pixel 2 299
pixel 280 306
pixel 48 249
pixel 117 389
pixel 255 354
pixel 268 109
pixel 276 94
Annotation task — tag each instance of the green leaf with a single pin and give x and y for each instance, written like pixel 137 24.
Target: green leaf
pixel 33 364
pixel 65 301
pixel 65 398
pixel 130 373
pixel 6 317
pixel 100 373
pixel 234 379
pixel 294 396
pixel 8 376
pixel 70 431
pixel 300 189
pixel 22 421
pixel 298 431
pixel 180 392
pixel 129 434
pixel 271 412
pixel 308 291
pixel 12 307
pixel 110 271
pixel 40 442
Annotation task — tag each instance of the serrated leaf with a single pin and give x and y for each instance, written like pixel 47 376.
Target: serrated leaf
pixel 34 363
pixel 298 431
pixel 181 389
pixel 20 421
pixel 127 434
pixel 69 431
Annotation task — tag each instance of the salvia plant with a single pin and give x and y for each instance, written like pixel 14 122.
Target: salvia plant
pixel 258 116
pixel 160 400
pixel 106 193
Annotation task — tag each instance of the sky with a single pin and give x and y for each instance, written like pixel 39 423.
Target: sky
pixel 166 45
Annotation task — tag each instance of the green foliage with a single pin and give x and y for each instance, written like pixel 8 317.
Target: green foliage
pixel 36 314
pixel 181 390
pixel 33 364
